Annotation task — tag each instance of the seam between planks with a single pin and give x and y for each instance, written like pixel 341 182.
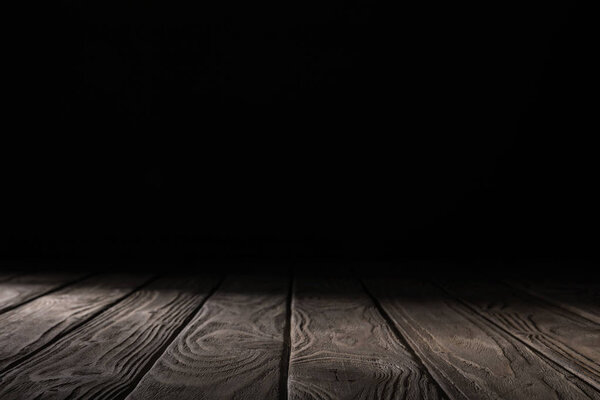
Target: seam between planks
pixel 158 354
pixel 78 325
pixel 550 361
pixel 287 344
pixel 56 289
pixel 403 340
pixel 542 299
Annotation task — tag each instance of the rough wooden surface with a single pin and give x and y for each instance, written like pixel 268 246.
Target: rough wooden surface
pixel 118 336
pixel 469 357
pixel 564 337
pixel 232 349
pixel 103 358
pixel 21 288
pixel 342 348
pixel 580 298
pixel 30 327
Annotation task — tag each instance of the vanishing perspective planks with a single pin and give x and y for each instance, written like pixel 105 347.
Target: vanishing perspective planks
pixel 105 357
pixel 342 348
pixel 232 349
pixel 580 298
pixel 564 337
pixel 19 289
pixel 468 356
pixel 117 336
pixel 26 329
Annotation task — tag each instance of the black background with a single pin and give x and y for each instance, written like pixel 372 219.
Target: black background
pixel 172 132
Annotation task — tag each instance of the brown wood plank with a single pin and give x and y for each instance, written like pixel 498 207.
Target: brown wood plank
pixel 579 298
pixel 468 356
pixel 103 358
pixel 26 329
pixel 563 337
pixel 342 348
pixel 231 350
pixel 22 288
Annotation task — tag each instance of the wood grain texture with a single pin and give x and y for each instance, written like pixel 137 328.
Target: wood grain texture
pixel 28 328
pixel 468 356
pixel 563 337
pixel 342 348
pixel 580 298
pixel 21 288
pixel 103 358
pixel 232 349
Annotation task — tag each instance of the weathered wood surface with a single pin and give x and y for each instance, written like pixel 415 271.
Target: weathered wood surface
pixel 563 337
pixel 104 358
pixel 342 348
pixel 26 329
pixel 19 289
pixel 468 356
pixel 232 349
pixel 580 298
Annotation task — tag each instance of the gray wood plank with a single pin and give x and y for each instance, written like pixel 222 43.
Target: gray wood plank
pixel 563 337
pixel 468 356
pixel 579 298
pixel 232 349
pixel 104 358
pixel 20 289
pixel 26 329
pixel 342 348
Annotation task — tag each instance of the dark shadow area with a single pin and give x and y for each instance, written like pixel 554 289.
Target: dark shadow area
pixel 321 280
pixel 191 134
pixel 549 270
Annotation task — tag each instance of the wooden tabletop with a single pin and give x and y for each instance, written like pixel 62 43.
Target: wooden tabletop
pixel 294 336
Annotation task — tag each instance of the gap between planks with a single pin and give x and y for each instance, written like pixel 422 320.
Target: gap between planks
pixel 471 358
pixel 44 293
pixel 287 343
pixel 232 348
pixel 79 324
pixel 168 342
pixel 548 299
pixel 536 351
pixel 402 339
pixel 72 351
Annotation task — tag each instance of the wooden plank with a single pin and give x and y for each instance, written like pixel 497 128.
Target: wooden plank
pixel 23 288
pixel 231 350
pixel 26 329
pixel 104 358
pixel 580 298
pixel 7 275
pixel 468 356
pixel 342 348
pixel 563 337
